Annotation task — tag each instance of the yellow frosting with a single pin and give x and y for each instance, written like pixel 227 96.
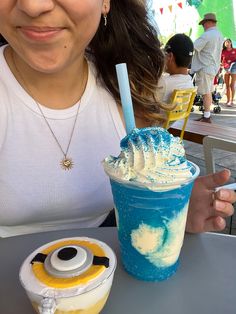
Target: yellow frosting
pixel 54 282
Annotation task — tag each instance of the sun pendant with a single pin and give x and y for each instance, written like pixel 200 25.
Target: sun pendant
pixel 67 163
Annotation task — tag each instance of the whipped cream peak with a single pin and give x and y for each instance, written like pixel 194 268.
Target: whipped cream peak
pixel 151 157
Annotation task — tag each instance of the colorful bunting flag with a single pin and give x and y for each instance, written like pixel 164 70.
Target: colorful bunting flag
pixel 170 7
pixel 180 4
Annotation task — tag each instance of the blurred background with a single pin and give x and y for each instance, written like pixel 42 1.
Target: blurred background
pixel 182 16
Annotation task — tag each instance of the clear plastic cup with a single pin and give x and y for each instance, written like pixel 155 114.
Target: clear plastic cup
pixel 72 275
pixel 151 226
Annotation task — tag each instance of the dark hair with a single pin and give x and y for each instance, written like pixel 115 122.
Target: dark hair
pixel 182 48
pixel 2 40
pixel 227 39
pixel 129 37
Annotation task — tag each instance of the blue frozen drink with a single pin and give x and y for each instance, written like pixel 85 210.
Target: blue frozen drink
pixel 151 183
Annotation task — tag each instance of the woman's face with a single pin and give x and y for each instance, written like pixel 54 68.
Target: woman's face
pixel 228 44
pixel 50 34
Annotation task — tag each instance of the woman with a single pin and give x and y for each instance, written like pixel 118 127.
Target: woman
pixel 60 113
pixel 228 60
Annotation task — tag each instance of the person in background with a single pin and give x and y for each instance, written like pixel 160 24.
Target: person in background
pixel 60 112
pixel 206 61
pixel 228 62
pixel 178 56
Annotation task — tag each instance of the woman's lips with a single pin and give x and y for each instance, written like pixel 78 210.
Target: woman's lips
pixel 40 33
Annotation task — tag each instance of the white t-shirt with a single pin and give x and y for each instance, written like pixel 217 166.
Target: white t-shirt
pixel 36 194
pixel 168 83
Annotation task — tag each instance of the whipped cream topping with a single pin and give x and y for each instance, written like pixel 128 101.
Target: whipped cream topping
pixel 151 157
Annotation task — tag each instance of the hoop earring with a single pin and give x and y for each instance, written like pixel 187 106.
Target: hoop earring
pixel 105 19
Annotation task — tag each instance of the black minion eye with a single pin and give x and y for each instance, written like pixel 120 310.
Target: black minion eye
pixel 67 253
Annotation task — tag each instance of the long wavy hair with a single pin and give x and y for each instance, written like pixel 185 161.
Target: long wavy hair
pixel 129 37
pixel 2 40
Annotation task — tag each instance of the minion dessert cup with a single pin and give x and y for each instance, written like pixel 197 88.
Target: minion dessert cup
pixel 69 276
pixel 151 183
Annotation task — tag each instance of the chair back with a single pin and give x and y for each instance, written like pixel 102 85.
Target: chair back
pixel 183 100
pixel 209 144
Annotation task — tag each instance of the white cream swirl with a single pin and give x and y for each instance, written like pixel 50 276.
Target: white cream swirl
pixel 151 157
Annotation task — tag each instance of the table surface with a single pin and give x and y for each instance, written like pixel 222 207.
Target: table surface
pixel 205 282
pixel 196 131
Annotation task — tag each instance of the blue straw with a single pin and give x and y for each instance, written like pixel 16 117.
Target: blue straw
pixel 125 94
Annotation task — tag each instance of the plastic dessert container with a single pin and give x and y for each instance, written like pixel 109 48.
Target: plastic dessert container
pixel 69 276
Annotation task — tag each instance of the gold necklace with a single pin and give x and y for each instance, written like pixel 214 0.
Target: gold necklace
pixel 66 162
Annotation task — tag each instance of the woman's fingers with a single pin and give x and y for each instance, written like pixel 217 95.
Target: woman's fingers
pixel 223 208
pixel 226 195
pixel 214 180
pixel 216 223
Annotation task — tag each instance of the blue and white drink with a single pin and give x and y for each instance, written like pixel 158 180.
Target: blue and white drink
pixel 151 183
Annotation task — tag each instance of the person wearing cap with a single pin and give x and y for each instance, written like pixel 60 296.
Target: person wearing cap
pixel 178 52
pixel 206 61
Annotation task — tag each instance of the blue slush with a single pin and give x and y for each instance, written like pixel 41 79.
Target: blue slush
pixel 151 183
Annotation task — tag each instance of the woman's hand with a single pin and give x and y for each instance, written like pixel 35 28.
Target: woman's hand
pixel 207 208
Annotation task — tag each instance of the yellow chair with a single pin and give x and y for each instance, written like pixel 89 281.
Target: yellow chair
pixel 183 100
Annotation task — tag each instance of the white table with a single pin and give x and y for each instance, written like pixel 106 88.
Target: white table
pixel 204 284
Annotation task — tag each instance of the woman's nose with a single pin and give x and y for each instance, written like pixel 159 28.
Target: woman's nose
pixel 35 8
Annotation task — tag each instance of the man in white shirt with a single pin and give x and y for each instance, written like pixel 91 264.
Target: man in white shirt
pixel 206 61
pixel 179 51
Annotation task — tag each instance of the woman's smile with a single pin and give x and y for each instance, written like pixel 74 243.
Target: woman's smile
pixel 40 33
